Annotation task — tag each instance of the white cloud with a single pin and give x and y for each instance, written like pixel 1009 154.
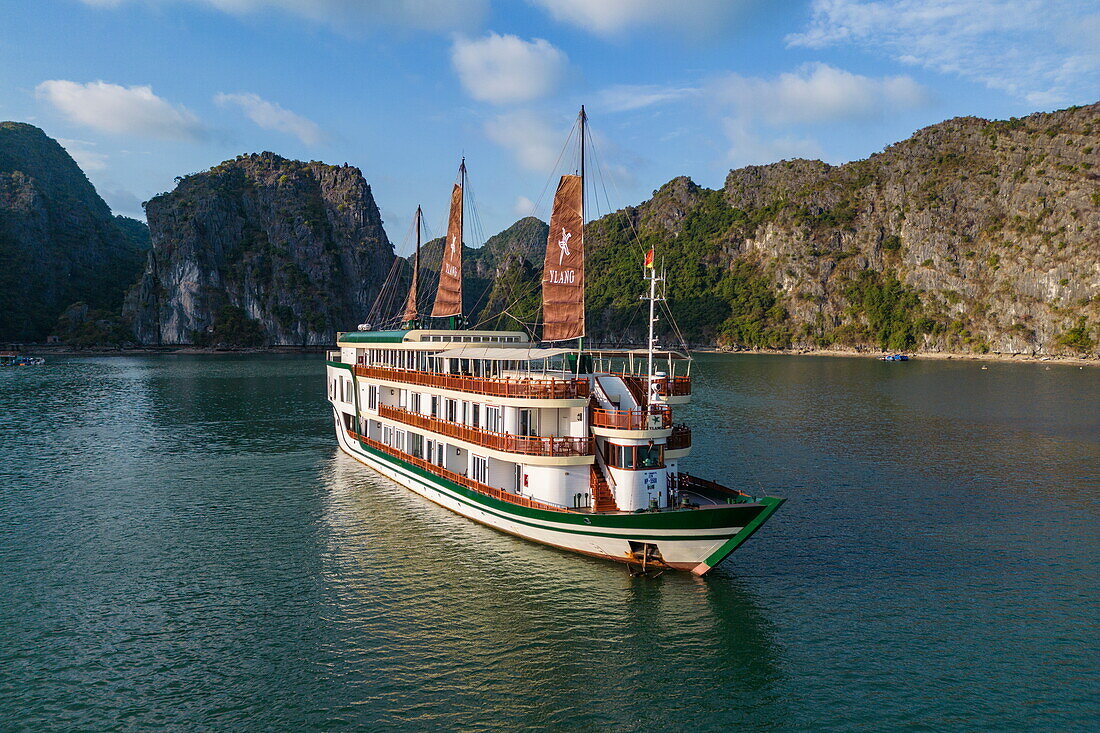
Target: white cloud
pixel 123 202
pixel 507 69
pixel 123 110
pixel 747 147
pixel 1032 49
pixel 523 206
pixel 817 92
pixel 272 116
pixel 628 97
pixel 534 143
pixel 85 157
pixel 813 94
pixel 343 15
pixel 611 17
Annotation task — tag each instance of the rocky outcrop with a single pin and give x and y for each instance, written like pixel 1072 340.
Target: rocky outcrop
pixel 970 236
pixel 59 243
pixel 261 250
pixel 995 225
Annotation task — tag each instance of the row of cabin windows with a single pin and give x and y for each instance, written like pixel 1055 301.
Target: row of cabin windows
pixel 456 411
pixel 431 450
pixel 490 417
pixel 341 389
pixel 423 361
pixel 635 457
pixel 434 451
pixel 473 339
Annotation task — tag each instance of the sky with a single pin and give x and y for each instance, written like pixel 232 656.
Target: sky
pixel 143 91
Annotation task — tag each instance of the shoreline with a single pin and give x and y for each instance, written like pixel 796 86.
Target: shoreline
pixel 54 350
pixel 1000 358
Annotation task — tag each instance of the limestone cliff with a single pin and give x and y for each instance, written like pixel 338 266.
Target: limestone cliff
pixel 970 236
pixel 59 243
pixel 260 250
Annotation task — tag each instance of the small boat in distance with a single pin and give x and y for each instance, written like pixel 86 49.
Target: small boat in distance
pixel 14 358
pixel 894 357
pixel 553 442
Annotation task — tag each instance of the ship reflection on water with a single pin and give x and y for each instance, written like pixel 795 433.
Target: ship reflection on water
pixel 442 619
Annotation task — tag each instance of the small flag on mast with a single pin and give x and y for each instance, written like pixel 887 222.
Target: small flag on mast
pixel 649 258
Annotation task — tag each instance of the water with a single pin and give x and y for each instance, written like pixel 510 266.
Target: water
pixel 182 547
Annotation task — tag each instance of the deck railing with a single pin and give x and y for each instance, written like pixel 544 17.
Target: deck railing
pixel 680 438
pixel 666 386
pixel 456 478
pixel 654 417
pixel 547 389
pixel 526 445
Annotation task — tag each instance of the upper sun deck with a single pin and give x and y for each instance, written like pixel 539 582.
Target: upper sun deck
pixel 503 364
pixel 429 339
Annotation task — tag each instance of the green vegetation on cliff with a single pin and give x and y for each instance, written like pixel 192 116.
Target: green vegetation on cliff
pixel 59 243
pixel 972 235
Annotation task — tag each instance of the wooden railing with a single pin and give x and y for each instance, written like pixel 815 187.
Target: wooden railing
pixel 526 445
pixel 680 438
pixel 457 478
pixel 667 386
pixel 547 389
pixel 654 417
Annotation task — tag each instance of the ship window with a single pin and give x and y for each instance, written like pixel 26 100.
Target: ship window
pixel 372 397
pixel 635 456
pixel 416 444
pixel 650 456
pixel 399 443
pixel 451 407
pixel 479 467
pixel 493 420
pixel 528 422
pixel 414 402
pixel 387 435
pixel 475 414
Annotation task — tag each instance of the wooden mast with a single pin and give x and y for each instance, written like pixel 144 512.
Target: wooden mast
pixel 448 296
pixel 582 118
pixel 563 267
pixel 411 315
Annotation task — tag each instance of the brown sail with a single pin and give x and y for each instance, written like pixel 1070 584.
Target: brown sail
pixel 448 298
pixel 563 271
pixel 411 312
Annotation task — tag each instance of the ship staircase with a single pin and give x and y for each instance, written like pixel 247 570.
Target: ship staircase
pixel 602 483
pixel 603 498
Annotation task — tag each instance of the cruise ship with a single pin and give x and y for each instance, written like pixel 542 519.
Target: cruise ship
pixel 543 439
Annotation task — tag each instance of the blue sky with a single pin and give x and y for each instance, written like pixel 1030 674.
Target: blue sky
pixel 141 91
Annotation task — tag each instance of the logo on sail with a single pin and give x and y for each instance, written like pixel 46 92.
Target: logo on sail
pixel 454 240
pixel 563 244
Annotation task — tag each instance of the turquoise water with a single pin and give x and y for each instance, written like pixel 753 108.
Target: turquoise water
pixel 182 547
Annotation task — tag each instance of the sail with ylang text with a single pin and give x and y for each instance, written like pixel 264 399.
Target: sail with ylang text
pixel 563 271
pixel 448 297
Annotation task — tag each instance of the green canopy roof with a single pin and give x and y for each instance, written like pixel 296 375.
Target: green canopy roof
pixel 371 337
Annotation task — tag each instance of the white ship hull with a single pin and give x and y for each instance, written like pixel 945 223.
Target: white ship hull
pixel 682 548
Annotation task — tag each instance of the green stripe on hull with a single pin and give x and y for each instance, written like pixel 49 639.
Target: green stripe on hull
pixel 566 522
pixel 770 504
